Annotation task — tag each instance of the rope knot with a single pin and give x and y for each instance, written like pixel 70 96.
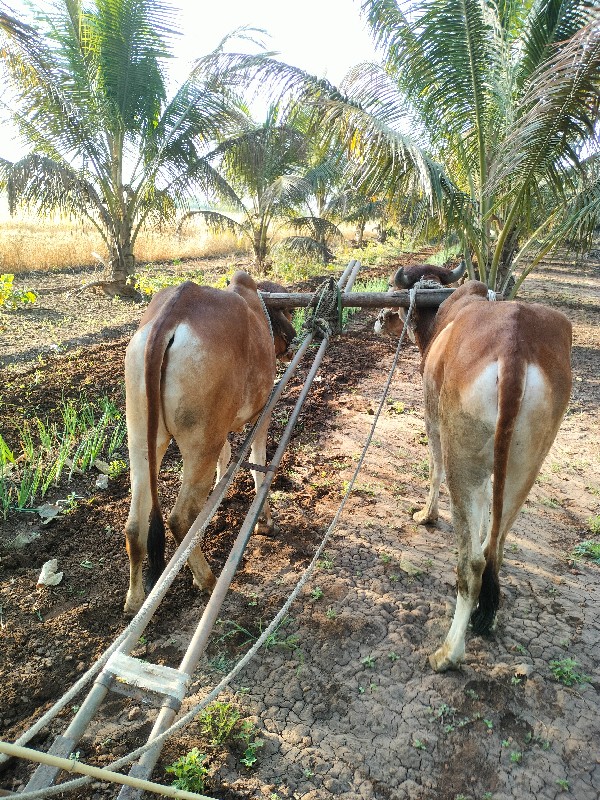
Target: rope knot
pixel 324 312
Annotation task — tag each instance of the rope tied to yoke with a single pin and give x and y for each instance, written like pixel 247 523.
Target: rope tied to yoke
pixel 324 312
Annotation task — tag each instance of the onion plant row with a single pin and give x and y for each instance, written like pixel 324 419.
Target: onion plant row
pixel 48 452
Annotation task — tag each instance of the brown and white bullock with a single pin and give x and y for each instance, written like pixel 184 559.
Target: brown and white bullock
pixel 201 364
pixel 496 381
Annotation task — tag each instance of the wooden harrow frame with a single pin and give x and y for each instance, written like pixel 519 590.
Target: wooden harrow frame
pixel 116 670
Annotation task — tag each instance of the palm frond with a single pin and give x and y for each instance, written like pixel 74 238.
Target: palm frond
pixel 217 222
pixel 306 246
pixel 50 186
pixel 319 228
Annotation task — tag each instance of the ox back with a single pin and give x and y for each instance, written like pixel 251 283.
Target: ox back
pixel 201 364
pixel 497 381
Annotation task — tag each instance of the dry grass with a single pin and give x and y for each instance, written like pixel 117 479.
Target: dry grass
pixel 29 243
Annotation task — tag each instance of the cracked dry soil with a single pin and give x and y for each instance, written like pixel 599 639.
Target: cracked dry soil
pixel 348 707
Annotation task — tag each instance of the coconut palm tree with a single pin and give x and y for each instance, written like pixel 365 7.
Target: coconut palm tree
pixel 88 93
pixel 261 169
pixel 501 99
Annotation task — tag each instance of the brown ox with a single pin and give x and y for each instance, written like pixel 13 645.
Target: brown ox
pixel 496 381
pixel 201 364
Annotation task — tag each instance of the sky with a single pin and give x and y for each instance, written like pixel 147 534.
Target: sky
pixel 323 37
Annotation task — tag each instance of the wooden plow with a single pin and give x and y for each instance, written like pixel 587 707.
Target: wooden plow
pixel 117 671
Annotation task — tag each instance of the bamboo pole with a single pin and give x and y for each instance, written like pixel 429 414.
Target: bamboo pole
pixel 71 765
pixel 427 299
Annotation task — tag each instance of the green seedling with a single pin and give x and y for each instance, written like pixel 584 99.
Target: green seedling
pixel 368 661
pixel 190 771
pixel 594 524
pixel 217 721
pixel 516 757
pixel 317 593
pixel 250 742
pixel 565 671
pixel 590 548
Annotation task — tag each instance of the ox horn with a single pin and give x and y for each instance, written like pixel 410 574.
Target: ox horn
pixel 400 280
pixel 455 274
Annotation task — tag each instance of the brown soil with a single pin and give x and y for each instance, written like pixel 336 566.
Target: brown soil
pixel 348 708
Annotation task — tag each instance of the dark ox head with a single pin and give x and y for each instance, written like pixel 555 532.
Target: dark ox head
pixel 406 278
pixel 391 320
pixel 281 322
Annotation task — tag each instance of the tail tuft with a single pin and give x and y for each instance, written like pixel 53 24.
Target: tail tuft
pixel 156 548
pixel 482 619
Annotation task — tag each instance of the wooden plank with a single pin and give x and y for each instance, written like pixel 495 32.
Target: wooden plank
pixel 145 675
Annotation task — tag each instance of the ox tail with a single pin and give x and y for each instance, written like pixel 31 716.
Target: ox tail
pixel 157 344
pixel 511 386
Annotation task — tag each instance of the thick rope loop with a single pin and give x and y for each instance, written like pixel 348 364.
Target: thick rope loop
pixel 324 312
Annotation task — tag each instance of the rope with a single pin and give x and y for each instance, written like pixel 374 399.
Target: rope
pixel 265 309
pixel 276 621
pixel 491 295
pixel 324 313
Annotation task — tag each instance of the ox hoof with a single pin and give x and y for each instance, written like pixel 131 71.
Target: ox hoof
pixel 207 585
pixel 131 607
pixel 440 661
pixel 265 528
pixel 423 518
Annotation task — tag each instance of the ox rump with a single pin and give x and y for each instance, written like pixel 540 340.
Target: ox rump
pixel 496 383
pixel 201 364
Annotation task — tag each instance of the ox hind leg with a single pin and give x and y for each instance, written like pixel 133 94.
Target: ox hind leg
pixel 429 514
pixel 196 482
pixel 136 527
pixel 468 483
pixel 258 455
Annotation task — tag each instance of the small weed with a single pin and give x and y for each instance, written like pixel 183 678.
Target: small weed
pixel 422 469
pixel 590 548
pixel 11 297
pixel 250 742
pixel 190 772
pixel 505 742
pixel 419 745
pixel 116 468
pixel 331 613
pixel 393 656
pixel 593 524
pixel 562 784
pixel 386 558
pixel 317 593
pixel 488 724
pixel 325 563
pixel 368 661
pixel 550 502
pixel 516 757
pixel 221 663
pixel 520 649
pixel 217 721
pixel 565 671
pixel 395 406
pixel 515 681
pixel 472 694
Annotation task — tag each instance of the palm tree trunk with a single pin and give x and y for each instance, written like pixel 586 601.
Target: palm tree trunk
pixel 122 264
